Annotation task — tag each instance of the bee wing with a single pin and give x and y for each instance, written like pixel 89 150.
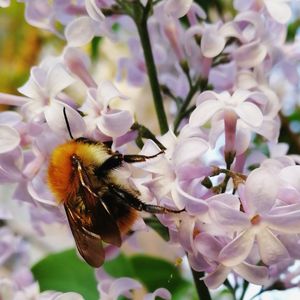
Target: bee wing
pixel 88 244
pixel 102 221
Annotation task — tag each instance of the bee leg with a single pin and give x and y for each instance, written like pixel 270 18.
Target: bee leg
pixel 137 204
pixel 133 158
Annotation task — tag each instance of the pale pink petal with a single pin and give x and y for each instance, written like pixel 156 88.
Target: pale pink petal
pixel 177 8
pixel 237 250
pixel 260 191
pixel 250 114
pixel 254 274
pixel 9 138
pixel 207 95
pixel 80 31
pixel 212 42
pixel 115 123
pixel 250 55
pixel 12 99
pixel 270 248
pixel 279 10
pixel 242 139
pixel 204 111
pixel 58 79
pixel 55 118
pixel 239 96
pixel 217 277
pixel 161 292
pixel 94 11
pixel 288 222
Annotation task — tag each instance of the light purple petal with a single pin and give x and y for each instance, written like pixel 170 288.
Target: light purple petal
pixel 10 118
pixel 250 55
pixel 207 245
pixel 94 11
pixel 204 111
pixel 212 42
pixel 177 8
pixel 260 191
pixel 279 10
pixel 217 277
pixel 254 274
pixel 228 217
pixel 242 5
pixel 9 138
pixel 161 292
pixel 250 114
pixel 287 223
pixel 55 118
pixel 80 31
pixel 115 123
pixel 237 250
pixel 122 285
pixel 12 99
pixel 270 248
pixel 58 79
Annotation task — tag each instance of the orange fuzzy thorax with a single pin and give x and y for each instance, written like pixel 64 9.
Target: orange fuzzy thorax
pixel 62 178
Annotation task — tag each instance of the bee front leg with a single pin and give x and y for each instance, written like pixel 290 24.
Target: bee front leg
pixel 133 158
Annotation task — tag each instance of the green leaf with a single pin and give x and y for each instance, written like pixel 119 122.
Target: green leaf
pixel 155 273
pixel 119 267
pixel 154 223
pixel 65 272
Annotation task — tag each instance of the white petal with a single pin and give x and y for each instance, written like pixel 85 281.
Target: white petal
pixel 212 42
pixel 250 114
pixel 260 190
pixel 161 292
pixel 204 111
pixel 270 248
pixel 80 31
pixel 107 91
pixel 291 175
pixel 10 118
pixel 279 10
pixel 58 79
pixel 177 8
pixel 123 285
pixel 9 138
pixel 55 118
pixel 254 274
pixel 94 11
pixel 237 250
pixel 188 150
pixel 115 123
pixel 69 296
pixel 216 278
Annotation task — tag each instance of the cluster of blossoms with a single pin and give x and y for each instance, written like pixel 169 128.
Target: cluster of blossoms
pixel 226 84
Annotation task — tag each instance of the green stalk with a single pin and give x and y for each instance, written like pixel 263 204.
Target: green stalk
pixel 202 290
pixel 142 28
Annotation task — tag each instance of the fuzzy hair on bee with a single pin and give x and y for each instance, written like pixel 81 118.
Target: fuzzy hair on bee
pixel 83 176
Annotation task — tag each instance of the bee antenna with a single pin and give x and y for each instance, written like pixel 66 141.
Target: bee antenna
pixel 67 123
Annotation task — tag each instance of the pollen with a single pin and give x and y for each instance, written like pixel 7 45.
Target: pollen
pixel 255 220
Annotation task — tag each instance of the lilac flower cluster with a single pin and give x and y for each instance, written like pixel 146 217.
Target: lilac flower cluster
pixel 219 80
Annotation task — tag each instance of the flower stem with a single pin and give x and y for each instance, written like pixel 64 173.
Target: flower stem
pixel 140 14
pixel 202 290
